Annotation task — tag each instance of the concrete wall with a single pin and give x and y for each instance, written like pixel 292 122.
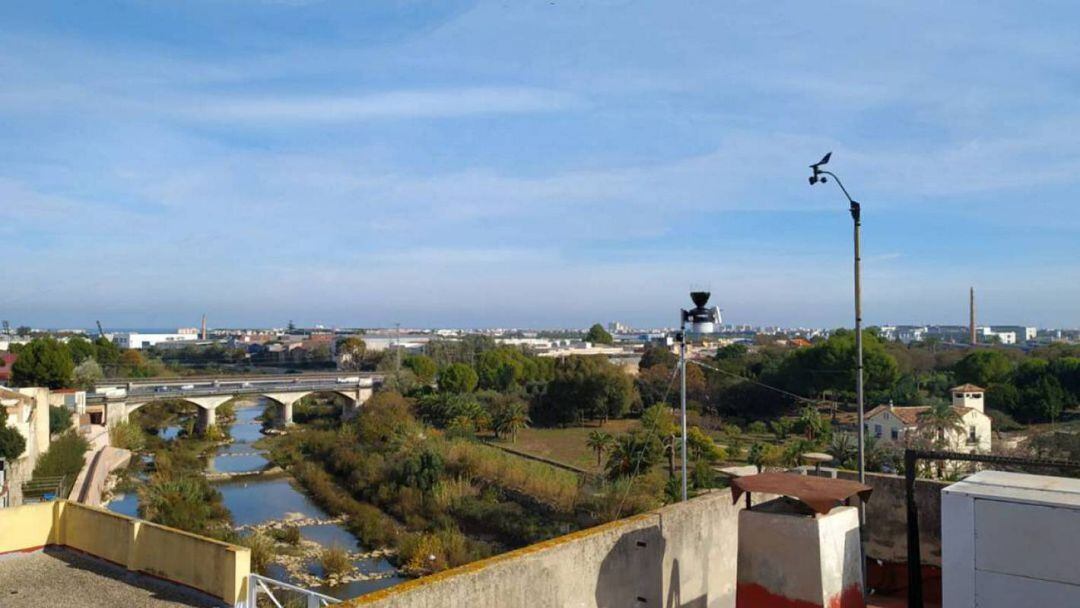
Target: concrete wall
pixel 681 556
pixel 216 568
pixel 886 516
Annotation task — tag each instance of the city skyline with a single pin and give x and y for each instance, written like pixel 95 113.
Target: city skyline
pixel 534 164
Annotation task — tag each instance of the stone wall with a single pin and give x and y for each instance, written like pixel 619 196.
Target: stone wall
pixel 681 556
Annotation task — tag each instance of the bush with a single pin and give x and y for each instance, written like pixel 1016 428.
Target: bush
pixel 289 535
pixel 757 427
pixel 335 561
pixel 59 419
pixel 65 457
pixel 127 435
pixel 262 550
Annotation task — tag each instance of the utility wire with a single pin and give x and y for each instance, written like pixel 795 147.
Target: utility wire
pixel 641 453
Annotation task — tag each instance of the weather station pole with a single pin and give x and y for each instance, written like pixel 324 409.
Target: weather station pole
pixel 821 175
pixel 682 398
pixel 702 321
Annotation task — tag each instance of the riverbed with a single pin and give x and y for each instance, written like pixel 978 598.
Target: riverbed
pixel 254 500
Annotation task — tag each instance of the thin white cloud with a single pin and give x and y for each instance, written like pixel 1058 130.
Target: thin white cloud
pixel 438 103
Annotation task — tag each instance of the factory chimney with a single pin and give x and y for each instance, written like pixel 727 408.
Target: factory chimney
pixel 203 335
pixel 974 336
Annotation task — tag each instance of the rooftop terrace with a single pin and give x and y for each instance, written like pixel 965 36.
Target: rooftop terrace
pixel 61 578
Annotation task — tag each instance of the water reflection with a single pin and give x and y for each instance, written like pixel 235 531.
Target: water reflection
pixel 254 500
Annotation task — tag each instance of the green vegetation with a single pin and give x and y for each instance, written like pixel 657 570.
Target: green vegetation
pixel 65 457
pixel 43 362
pixel 598 335
pixel 262 550
pixel 59 419
pixel 335 561
pixel 12 443
pixel 127 435
pixel 458 378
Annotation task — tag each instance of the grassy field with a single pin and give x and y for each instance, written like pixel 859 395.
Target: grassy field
pixel 567 445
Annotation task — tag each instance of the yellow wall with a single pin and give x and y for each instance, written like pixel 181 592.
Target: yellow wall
pixel 26 528
pixel 214 567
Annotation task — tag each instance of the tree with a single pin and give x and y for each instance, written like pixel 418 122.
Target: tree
pixel 500 369
pixel 43 362
pixel 599 442
pixel 12 443
pixel 351 353
pixel 829 366
pixel 811 422
pixel 457 378
pixel 598 335
pixel 633 452
pixel 509 416
pixel 983 367
pixel 423 366
pixel 658 421
pixel 585 387
pixel 731 351
pixel 657 354
pixel 939 424
pixel 107 354
pixel 87 374
pixel 80 349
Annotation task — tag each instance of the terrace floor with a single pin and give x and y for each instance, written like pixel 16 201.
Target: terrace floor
pixel 60 578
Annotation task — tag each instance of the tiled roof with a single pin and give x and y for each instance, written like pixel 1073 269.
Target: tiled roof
pixel 968 388
pixel 909 415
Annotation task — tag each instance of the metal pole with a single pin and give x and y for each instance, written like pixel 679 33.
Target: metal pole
pixel 682 403
pixel 856 215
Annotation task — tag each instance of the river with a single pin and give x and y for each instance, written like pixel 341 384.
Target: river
pixel 254 500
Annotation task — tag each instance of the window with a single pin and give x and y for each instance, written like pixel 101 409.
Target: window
pixel 972 435
pixel 877 431
pixel 895 434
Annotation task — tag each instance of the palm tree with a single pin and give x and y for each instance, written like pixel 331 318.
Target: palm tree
pixel 513 419
pixel 811 422
pixel 938 424
pixel 599 442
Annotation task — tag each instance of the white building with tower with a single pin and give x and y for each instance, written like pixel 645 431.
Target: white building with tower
pixel 898 424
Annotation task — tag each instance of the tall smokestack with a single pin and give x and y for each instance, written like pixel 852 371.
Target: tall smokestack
pixel 974 336
pixel 204 326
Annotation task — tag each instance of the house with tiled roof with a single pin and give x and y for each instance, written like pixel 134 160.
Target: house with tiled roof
pixel 889 423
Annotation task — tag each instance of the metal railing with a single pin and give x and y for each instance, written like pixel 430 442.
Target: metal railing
pixel 263 587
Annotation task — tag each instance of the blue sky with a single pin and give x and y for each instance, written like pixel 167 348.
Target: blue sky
pixel 535 163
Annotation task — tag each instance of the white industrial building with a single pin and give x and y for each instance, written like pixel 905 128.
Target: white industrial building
pixel 140 340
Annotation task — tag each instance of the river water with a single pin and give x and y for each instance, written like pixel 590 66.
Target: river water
pixel 254 500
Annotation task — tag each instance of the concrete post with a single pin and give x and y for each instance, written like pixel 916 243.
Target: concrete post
pixel 207 418
pixel 790 558
pixel 286 413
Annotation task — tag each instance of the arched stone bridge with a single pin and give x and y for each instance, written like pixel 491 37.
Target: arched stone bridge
pixel 119 400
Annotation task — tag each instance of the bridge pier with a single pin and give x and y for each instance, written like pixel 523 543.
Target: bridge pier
pixel 286 401
pixel 207 410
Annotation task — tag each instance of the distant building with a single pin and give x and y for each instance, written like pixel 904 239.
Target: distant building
pixel 140 340
pixel 991 335
pixel 1022 333
pixel 898 424
pixel 616 327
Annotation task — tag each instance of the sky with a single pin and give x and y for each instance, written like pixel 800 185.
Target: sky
pixel 535 164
